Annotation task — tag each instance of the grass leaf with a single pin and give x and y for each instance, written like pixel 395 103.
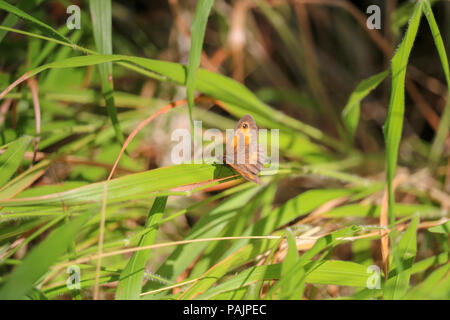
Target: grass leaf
pixel 102 25
pixel 12 157
pixel 398 281
pixel 197 34
pixel 350 114
pixel 130 282
pixel 444 123
pixel 394 121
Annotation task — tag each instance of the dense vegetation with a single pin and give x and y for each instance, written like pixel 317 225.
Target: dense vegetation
pixel 87 186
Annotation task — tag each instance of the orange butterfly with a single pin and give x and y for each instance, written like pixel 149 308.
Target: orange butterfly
pixel 243 153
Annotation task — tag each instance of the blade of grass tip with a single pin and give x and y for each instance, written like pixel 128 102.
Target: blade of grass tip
pixel 444 124
pixel 12 19
pixel 33 84
pixel 15 10
pixel 101 23
pixel 130 282
pixel 197 35
pixel 394 121
pixel 350 114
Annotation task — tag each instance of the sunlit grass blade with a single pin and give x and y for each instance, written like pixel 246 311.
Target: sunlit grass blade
pixel 394 121
pixel 240 100
pixel 12 157
pixel 210 225
pixel 197 34
pixel 102 25
pixel 341 273
pixel 398 281
pixel 130 282
pixel 297 274
pixel 133 186
pixel 216 272
pixel 436 286
pixel 293 288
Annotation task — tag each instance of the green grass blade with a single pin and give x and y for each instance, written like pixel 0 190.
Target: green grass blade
pixel 12 19
pixel 130 282
pixel 132 186
pixel 398 281
pixel 208 226
pixel 296 274
pixel 236 259
pixel 394 122
pixel 336 272
pixel 25 16
pixel 23 180
pixel 39 260
pixel 443 228
pixel 102 25
pixel 294 287
pixel 435 286
pixel 239 99
pixel 197 35
pixel 12 157
pixel 350 114
pixel 444 124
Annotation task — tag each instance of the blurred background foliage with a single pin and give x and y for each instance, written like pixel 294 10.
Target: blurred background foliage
pixel 310 68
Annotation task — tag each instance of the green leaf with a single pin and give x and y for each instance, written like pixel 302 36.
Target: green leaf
pixel 341 273
pixel 24 180
pixel 217 271
pixel 40 259
pixel 435 286
pixel 394 122
pixel 12 19
pixel 444 124
pixel 101 24
pixel 197 35
pixel 443 228
pixel 210 225
pixel 25 16
pixel 12 157
pixel 133 186
pixel 296 275
pixel 403 260
pixel 130 282
pixel 239 99
pixel 294 287
pixel 350 114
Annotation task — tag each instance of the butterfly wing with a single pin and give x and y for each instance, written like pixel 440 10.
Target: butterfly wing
pixel 254 153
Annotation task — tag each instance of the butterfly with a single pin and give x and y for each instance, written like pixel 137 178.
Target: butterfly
pixel 243 153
